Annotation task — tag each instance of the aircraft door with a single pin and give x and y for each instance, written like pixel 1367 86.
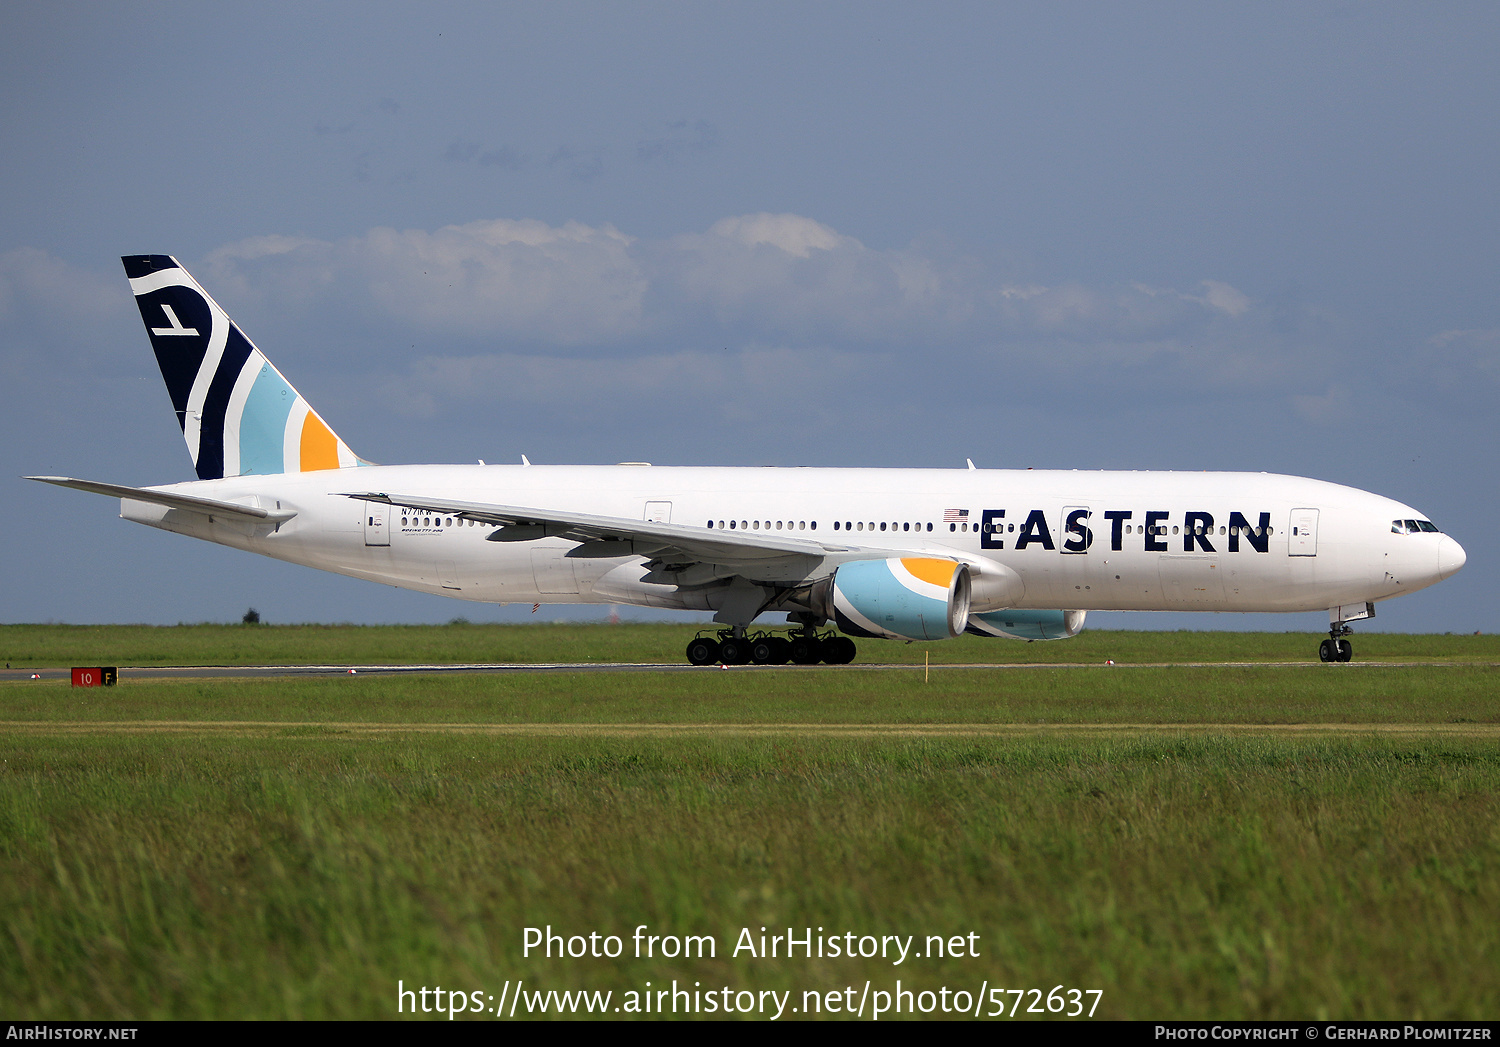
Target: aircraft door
pixel 553 573
pixel 1077 533
pixel 1071 573
pixel 658 512
pixel 1302 535
pixel 377 523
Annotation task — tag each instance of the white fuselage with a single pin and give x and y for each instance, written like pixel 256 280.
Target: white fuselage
pixel 1077 540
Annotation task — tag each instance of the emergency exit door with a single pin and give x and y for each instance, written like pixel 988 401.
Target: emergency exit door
pixel 377 523
pixel 1302 533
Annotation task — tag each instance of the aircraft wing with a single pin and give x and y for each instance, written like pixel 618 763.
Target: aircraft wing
pixel 617 536
pixel 172 500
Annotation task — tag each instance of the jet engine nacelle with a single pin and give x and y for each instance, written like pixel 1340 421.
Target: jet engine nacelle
pixel 1016 624
pixel 903 598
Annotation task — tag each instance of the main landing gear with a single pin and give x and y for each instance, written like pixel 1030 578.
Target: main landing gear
pixel 803 647
pixel 1336 648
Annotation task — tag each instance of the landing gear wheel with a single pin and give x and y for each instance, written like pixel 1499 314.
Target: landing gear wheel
pixel 761 653
pixel 703 651
pixel 1327 652
pixel 839 651
pixel 807 650
pixel 1345 651
pixel 781 650
pixel 734 652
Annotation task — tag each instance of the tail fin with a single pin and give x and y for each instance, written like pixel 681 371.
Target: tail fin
pixel 238 414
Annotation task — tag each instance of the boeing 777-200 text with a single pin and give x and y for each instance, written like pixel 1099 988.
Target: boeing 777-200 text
pixel 903 554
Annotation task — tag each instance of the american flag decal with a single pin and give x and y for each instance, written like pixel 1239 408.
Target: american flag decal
pixel 955 515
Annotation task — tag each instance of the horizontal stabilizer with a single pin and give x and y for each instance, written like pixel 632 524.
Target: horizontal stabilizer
pixel 190 502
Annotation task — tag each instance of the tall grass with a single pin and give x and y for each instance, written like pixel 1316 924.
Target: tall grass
pixel 1185 876
pixel 295 847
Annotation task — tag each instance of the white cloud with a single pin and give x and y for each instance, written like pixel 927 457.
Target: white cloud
pixel 748 385
pixel 779 277
pixel 1216 295
pixel 664 310
pixel 567 285
pixel 56 318
pixel 33 280
pixel 1454 366
pixel 571 285
pixel 791 233
pixel 1455 355
pixel 1334 406
pixel 1225 298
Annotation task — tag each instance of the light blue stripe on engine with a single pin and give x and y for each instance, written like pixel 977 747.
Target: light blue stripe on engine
pixel 263 425
pixel 1021 625
pixel 872 589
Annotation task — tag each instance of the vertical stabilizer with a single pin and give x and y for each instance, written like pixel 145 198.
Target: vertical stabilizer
pixel 237 413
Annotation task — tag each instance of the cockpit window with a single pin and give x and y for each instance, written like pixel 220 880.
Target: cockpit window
pixel 1413 527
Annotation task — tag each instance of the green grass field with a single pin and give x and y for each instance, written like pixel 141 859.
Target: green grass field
pixel 1208 841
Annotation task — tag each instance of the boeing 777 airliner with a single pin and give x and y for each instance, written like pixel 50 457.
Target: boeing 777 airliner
pixel 903 554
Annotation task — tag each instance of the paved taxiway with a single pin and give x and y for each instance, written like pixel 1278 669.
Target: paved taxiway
pixel 203 672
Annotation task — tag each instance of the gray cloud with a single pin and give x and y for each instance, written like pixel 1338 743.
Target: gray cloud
pixel 677 139
pixel 579 164
pixel 754 273
pixel 1451 367
pixel 784 280
pixel 467 152
pixel 509 279
pixel 55 314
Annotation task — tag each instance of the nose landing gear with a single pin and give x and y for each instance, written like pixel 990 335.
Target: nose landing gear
pixel 1336 648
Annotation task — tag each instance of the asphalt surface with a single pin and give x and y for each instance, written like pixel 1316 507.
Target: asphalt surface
pixel 201 672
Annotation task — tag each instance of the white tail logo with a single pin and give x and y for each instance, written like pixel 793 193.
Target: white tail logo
pixel 176 327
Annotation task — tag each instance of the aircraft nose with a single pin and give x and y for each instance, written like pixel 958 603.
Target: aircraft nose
pixel 1451 557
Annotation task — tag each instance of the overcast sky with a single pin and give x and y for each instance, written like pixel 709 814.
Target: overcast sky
pixel 1134 236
